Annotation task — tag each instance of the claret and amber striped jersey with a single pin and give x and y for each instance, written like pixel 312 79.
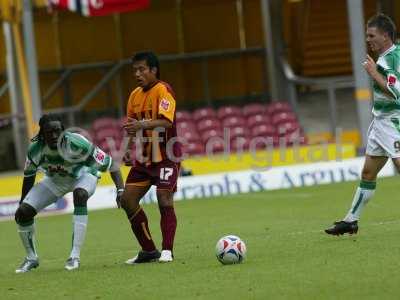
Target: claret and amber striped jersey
pixel 156 103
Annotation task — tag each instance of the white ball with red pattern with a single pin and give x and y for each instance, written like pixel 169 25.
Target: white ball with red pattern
pixel 230 249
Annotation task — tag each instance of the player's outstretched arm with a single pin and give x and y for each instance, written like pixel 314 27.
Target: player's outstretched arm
pixel 118 181
pixel 27 184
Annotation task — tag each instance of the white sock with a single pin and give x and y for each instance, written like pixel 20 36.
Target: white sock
pixel 364 192
pixel 79 233
pixel 27 234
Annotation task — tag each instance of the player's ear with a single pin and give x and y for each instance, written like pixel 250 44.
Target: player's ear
pixel 154 70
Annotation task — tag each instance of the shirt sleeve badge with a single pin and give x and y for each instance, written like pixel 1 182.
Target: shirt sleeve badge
pixel 164 104
pixel 392 79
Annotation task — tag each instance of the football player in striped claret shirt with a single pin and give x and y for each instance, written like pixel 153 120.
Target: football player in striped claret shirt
pixel 151 126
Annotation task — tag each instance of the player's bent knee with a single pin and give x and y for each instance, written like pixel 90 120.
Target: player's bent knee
pixel 80 197
pixel 368 175
pixel 24 214
pixel 125 201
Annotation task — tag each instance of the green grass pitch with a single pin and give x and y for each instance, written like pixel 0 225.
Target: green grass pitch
pixel 289 257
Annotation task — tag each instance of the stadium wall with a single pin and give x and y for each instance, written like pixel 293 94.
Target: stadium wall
pixel 65 39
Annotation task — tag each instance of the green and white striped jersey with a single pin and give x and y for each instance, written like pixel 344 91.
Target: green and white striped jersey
pixel 74 156
pixel 388 64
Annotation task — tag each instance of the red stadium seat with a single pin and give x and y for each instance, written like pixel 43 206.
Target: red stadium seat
pixel 258 119
pixel 277 107
pixel 104 123
pixel 240 143
pixel 206 135
pixel 238 131
pixel 283 117
pixel 194 149
pixel 295 138
pixel 215 146
pixel 254 109
pixel 186 125
pixel 263 130
pixel 183 115
pixel 287 127
pixel 113 148
pixel 108 133
pixel 228 111
pixel 204 113
pixel 189 136
pixel 207 124
pixel 233 121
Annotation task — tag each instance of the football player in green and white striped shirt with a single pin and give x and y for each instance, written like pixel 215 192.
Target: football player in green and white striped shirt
pixel 384 131
pixel 71 164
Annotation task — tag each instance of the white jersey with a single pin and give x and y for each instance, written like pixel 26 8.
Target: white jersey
pixel 384 131
pixel 388 65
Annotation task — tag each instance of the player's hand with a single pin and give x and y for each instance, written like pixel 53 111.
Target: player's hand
pixel 119 197
pixel 132 126
pixel 370 66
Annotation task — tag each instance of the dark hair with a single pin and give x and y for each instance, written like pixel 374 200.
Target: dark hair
pixel 44 120
pixel 150 58
pixel 383 23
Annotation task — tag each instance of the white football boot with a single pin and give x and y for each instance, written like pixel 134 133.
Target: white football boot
pixel 72 263
pixel 166 256
pixel 27 265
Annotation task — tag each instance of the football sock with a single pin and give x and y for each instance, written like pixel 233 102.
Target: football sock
pixel 27 234
pixel 168 226
pixel 79 222
pixel 363 193
pixel 140 228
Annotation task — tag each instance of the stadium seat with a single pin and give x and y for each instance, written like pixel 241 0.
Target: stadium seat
pixel 104 123
pixel 112 149
pixel 203 113
pixel 194 148
pixel 277 107
pixel 206 135
pixel 190 136
pixel 283 117
pixel 263 130
pixel 104 134
pixel 263 143
pixel 215 146
pixel 240 143
pixel 186 125
pixel 258 119
pixel 228 111
pixel 253 109
pixel 207 124
pixel 233 121
pixel 288 127
pixel 295 137
pixel 183 115
pixel 238 131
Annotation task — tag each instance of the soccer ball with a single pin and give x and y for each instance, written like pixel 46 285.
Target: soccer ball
pixel 230 249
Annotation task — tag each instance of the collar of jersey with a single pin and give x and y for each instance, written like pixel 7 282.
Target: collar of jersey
pixel 388 50
pixel 150 87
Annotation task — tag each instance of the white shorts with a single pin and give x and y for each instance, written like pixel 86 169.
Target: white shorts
pixel 384 138
pixel 49 190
